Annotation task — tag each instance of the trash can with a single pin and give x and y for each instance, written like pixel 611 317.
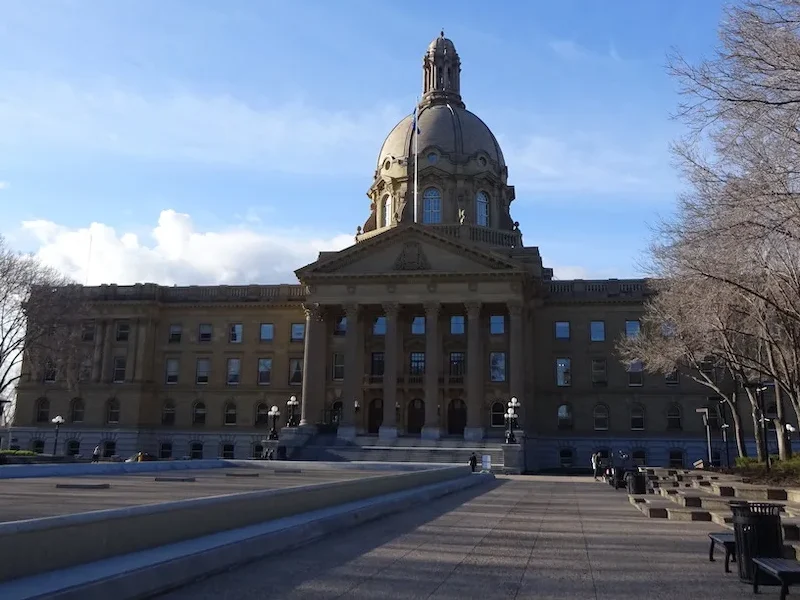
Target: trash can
pixel 637 483
pixel 281 453
pixel 758 534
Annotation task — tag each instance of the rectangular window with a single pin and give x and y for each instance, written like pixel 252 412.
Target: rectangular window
pixel 340 327
pixel 87 331
pixel 417 363
pixel 235 333
pixel 635 373
pixel 50 370
pixel 298 332
pixel 205 332
pixel 173 369
pixel 123 331
pixel 295 371
pixel 497 366
pixel 597 331
pixel 379 326
pixel 418 326
pixel 563 372
pixel 672 378
pixel 264 371
pixel 457 362
pixel 338 366
pixel 119 369
pixel 234 371
pixel 266 332
pixel 632 328
pixel 377 364
pixel 432 209
pixel 165 450
pixel 599 371
pixel 175 333
pixel 85 373
pixel 202 370
pixel 457 325
pixel 497 324
pixel 562 330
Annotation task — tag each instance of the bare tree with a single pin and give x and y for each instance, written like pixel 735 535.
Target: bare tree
pixel 40 321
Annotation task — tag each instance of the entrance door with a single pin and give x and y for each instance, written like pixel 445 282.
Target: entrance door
pixel 336 412
pixel 416 416
pixel 374 415
pixel 456 417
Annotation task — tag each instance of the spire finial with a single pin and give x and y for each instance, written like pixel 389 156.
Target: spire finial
pixel 441 34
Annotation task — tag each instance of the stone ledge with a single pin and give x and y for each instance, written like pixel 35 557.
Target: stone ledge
pixel 150 572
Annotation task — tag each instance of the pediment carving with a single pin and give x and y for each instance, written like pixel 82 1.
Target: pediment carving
pixel 412 258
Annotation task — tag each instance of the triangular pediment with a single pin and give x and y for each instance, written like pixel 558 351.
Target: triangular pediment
pixel 409 250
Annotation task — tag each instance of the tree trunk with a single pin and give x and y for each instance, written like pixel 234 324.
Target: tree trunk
pixel 741 448
pixel 755 413
pixel 780 431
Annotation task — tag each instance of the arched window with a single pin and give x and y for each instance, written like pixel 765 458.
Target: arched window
pixel 73 447
pixel 230 413
pixel 674 418
pixel 498 414
pixel 199 414
pixel 637 417
pixel 109 448
pixel 639 457
pixel 258 450
pixel 42 410
pixel 228 450
pixel 196 448
pixel 165 450
pixel 37 446
pixel 482 209
pixel 601 417
pixel 676 459
pixel 168 413
pixel 565 416
pixel 76 410
pixel 112 411
pixel 566 457
pixel 713 413
pixel 262 414
pixel 387 210
pixel 431 206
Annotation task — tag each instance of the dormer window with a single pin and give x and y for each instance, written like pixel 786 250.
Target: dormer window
pixel 431 206
pixel 387 210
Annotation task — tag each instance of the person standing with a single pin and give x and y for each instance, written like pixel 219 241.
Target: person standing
pixel 596 465
pixel 473 462
pixel 96 454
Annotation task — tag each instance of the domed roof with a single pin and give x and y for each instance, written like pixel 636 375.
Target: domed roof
pixel 452 130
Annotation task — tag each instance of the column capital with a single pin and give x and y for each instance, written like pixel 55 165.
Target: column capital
pixel 314 312
pixel 391 309
pixel 514 308
pixel 473 309
pixel 432 309
pixel 351 311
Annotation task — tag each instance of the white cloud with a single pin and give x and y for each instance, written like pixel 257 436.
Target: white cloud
pixel 571 50
pixel 178 253
pixel 184 126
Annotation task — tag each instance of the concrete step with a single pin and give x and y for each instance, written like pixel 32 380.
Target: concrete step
pixel 746 491
pixel 659 508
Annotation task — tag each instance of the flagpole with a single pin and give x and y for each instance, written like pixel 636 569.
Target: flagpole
pixel 416 157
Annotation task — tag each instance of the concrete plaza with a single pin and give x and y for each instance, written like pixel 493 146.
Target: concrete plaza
pixel 522 537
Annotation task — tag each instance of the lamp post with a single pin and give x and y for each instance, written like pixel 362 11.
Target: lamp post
pixel 57 421
pixel 724 414
pixel 274 413
pixel 704 412
pixel 511 417
pixel 292 404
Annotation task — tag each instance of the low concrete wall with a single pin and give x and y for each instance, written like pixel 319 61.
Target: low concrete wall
pixel 107 468
pixel 40 545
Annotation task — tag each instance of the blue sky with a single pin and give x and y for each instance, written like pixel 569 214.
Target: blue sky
pixel 204 142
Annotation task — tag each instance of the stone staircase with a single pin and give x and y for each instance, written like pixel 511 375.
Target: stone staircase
pixel 327 447
pixel 706 496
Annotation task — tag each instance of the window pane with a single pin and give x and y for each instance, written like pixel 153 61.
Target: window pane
pixel 418 326
pixel 482 209
pixel 264 371
pixel 267 332
pixel 431 206
pixel 497 324
pixel 497 366
pixel 298 332
pixel 632 328
pixel 562 330
pixel 563 372
pixel 597 331
pixel 457 326
pixel 379 327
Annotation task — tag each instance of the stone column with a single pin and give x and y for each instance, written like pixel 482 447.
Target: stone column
pixel 517 354
pixel 130 355
pixel 315 336
pixel 97 360
pixel 144 340
pixel 475 372
pixel 432 428
pixel 105 375
pixel 388 429
pixel 352 374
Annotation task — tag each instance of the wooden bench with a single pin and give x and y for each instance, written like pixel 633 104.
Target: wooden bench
pixel 726 541
pixel 785 570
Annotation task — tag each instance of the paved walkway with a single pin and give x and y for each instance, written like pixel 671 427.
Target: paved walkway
pixel 526 537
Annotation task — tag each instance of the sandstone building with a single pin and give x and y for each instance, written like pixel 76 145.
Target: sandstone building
pixel 426 326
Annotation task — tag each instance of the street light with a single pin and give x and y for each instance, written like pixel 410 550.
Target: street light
pixel 57 421
pixel 704 412
pixel 723 413
pixel 292 404
pixel 274 413
pixel 511 417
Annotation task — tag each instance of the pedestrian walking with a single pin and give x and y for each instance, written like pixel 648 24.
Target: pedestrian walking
pixel 96 454
pixel 596 465
pixel 473 462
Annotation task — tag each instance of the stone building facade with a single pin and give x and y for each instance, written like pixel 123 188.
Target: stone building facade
pixel 426 326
